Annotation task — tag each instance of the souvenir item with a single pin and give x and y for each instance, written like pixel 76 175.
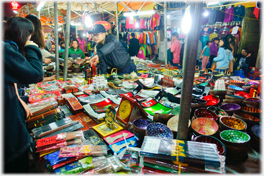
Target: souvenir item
pixel 86 121
pixel 243 94
pixel 43 96
pixel 204 126
pixel 158 108
pixel 212 100
pixel 119 146
pixel 173 123
pixel 232 87
pixel 230 108
pixel 129 110
pixel 232 123
pixel 219 112
pixel 130 95
pixel 117 137
pixel 180 151
pixel 102 106
pixel 84 150
pixel 74 105
pixel 103 130
pixel 201 112
pixel 159 130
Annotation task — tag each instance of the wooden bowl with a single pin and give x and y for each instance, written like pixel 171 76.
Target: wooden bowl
pixel 172 124
pixel 210 139
pixel 202 112
pixel 198 103
pixel 232 123
pixel 236 101
pixel 218 92
pixel 237 83
pixel 230 108
pixel 254 102
pixel 219 112
pixel 235 88
pixel 234 97
pixel 249 119
pixel 251 111
pixel 255 134
pixel 204 126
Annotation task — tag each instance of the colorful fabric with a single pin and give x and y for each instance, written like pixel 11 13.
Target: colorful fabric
pixel 206 51
pixel 204 40
pixel 220 14
pixel 130 23
pixel 155 21
pixel 256 12
pixel 239 13
pixel 213 35
pixel 213 49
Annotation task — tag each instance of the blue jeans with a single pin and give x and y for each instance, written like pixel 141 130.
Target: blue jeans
pixel 245 68
pixel 221 70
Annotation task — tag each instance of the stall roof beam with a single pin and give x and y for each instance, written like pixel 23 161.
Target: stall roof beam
pixel 86 6
pixel 100 5
pixel 76 13
pixel 142 6
pixel 95 6
pixel 109 5
pixel 123 7
pixel 127 7
pixel 108 12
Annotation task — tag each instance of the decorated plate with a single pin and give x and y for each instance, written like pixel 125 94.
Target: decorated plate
pixel 159 130
pixel 234 136
pixel 142 123
pixel 204 126
pixel 235 87
pixel 230 107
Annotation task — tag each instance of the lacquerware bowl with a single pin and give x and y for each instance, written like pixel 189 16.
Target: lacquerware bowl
pixel 236 88
pixel 254 102
pixel 202 112
pixel 232 123
pixel 230 108
pixel 198 103
pixel 211 100
pixel 204 126
pixel 242 94
pixel 210 139
pixel 219 112
pixel 159 130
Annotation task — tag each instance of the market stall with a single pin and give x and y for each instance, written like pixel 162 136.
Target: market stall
pixel 161 120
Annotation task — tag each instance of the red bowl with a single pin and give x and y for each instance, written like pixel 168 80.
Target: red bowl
pixel 243 94
pixel 212 100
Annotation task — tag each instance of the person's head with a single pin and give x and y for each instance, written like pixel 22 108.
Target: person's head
pixel 62 44
pixel 120 37
pixel 244 52
pixel 208 42
pixel 224 43
pixel 74 43
pixel 80 36
pixel 98 32
pixel 133 35
pixel 19 30
pixel 231 38
pixel 60 35
pixel 38 36
pixel 174 36
pixel 216 40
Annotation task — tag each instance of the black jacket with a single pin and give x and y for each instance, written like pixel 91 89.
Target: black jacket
pixel 21 70
pixel 239 56
pixel 133 47
pixel 112 54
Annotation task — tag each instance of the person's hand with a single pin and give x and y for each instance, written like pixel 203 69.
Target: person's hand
pixel 31 43
pixel 94 60
pixel 248 55
pixel 46 61
pixel 201 57
pixel 51 78
pixel 28 111
pixel 85 60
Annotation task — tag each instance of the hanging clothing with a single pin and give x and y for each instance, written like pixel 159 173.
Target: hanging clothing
pixel 239 13
pixel 204 39
pixel 141 53
pixel 155 21
pixel 213 35
pixel 212 16
pixel 204 19
pixel 229 14
pixel 130 23
pixel 220 14
pixel 223 34
pixel 256 12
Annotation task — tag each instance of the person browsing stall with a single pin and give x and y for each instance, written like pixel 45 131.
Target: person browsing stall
pixel 133 45
pixel 74 50
pixel 110 52
pixel 205 54
pixel 175 49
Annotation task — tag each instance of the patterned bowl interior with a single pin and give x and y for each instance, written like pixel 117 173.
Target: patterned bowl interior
pixel 219 112
pixel 201 112
pixel 247 116
pixel 251 109
pixel 234 81
pixel 234 96
pixel 256 129
pixel 142 123
pixel 234 123
pixel 204 126
pixel 211 100
pixel 252 100
pixel 234 136
pixel 235 87
pixel 159 130
pixel 230 107
pixel 210 139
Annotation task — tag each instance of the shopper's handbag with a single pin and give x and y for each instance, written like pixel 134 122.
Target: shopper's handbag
pixel 214 66
pixel 231 66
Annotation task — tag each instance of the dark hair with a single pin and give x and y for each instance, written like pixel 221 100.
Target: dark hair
pixel 133 34
pixel 208 41
pixel 214 39
pixel 230 36
pixel 75 39
pixel 175 34
pixel 245 49
pixel 18 29
pixel 226 44
pixel 37 37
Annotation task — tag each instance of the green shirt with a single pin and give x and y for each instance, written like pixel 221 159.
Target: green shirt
pixel 74 54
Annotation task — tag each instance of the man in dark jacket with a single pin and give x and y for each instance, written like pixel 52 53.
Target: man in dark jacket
pixel 133 46
pixel 110 52
pixel 243 61
pixel 122 41
pixel 21 70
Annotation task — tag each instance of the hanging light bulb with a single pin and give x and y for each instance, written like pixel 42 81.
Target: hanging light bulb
pixel 168 16
pixel 186 21
pixel 206 13
pixel 137 25
pixel 88 21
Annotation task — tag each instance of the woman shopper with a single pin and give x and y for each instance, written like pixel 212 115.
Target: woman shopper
pixel 224 55
pixel 22 64
pixel 82 43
